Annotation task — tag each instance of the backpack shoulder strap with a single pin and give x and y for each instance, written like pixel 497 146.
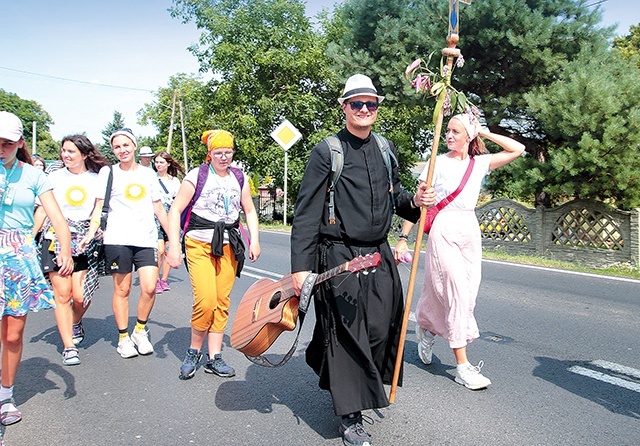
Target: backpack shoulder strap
pixel 337 163
pixel 387 154
pixel 389 158
pixel 239 176
pixel 203 173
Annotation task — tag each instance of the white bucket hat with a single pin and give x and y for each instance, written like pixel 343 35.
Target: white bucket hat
pixel 359 85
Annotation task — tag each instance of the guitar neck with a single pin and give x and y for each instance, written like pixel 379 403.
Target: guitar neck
pixel 332 272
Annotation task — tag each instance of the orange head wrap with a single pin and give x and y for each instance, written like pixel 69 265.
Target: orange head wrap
pixel 217 139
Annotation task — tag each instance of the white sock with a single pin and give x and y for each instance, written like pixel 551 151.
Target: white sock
pixel 464 366
pixel 6 393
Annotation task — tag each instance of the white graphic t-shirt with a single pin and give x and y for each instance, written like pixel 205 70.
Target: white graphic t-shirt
pixel 75 193
pixel 131 217
pixel 219 201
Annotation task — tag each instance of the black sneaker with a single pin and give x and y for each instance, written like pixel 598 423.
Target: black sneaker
pixel 78 333
pixel 217 366
pixel 190 364
pixel 353 433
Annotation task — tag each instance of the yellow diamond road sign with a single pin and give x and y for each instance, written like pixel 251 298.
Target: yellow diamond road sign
pixel 286 135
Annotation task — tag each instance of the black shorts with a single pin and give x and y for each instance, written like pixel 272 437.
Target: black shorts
pixel 121 259
pixel 49 265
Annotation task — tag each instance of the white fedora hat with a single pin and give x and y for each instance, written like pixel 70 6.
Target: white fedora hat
pixel 145 151
pixel 359 85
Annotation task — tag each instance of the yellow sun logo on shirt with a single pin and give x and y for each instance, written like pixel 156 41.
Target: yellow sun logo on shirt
pixel 135 192
pixel 76 195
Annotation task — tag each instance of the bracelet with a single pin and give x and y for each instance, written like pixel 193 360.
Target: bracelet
pixel 403 236
pixel 95 221
pixel 413 202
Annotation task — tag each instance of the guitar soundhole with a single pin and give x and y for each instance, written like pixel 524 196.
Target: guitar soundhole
pixel 275 300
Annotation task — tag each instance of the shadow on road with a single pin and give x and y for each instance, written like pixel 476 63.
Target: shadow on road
pixel 33 380
pixel 616 399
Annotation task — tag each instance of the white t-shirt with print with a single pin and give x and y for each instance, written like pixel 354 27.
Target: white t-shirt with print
pixel 220 200
pixel 447 177
pixel 75 193
pixel 131 217
pixel 172 185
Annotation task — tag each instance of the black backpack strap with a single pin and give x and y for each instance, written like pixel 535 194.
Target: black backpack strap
pixel 337 163
pixel 389 158
pixel 105 204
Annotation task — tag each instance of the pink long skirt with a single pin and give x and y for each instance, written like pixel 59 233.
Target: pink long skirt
pixel 452 278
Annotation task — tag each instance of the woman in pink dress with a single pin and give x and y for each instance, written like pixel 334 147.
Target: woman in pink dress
pixel 454 248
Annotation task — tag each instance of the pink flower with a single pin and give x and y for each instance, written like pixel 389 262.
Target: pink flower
pixel 446 105
pixel 421 83
pixel 411 68
pixel 460 61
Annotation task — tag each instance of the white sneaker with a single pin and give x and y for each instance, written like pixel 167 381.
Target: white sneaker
pixel 425 344
pixel 126 348
pixel 470 376
pixel 141 339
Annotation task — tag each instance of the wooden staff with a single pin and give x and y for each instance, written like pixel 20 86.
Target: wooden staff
pixel 450 53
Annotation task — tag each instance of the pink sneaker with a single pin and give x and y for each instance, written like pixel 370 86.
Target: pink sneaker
pixel 159 288
pixel 165 285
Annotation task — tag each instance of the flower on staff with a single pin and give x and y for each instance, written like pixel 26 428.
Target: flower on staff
pixel 437 83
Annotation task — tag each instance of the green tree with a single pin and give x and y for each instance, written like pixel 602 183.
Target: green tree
pixel 29 112
pixel 629 46
pixel 510 47
pixel 267 64
pixel 590 117
pixel 105 148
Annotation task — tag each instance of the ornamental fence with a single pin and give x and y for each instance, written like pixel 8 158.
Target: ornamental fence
pixel 586 232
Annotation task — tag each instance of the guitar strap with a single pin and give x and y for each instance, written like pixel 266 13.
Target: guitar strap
pixel 303 306
pixel 305 292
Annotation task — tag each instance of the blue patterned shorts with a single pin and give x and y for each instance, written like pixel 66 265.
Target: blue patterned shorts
pixel 23 287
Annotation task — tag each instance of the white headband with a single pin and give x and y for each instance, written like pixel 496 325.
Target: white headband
pixel 469 125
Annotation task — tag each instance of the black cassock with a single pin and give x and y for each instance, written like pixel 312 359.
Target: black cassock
pixel 358 316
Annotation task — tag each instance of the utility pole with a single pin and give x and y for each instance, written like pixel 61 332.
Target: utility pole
pixel 184 140
pixel 173 111
pixel 33 139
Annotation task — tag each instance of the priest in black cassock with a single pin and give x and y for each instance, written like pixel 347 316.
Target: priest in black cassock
pixel 358 316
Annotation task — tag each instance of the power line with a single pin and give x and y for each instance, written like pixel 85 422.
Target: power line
pixel 77 81
pixel 595 3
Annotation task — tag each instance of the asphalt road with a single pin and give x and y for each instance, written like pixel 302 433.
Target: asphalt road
pixel 561 349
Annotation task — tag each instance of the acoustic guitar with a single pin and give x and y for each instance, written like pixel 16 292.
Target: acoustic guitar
pixel 270 307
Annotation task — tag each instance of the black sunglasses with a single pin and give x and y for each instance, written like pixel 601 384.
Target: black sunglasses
pixel 357 105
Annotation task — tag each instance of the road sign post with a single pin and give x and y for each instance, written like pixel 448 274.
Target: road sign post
pixel 286 135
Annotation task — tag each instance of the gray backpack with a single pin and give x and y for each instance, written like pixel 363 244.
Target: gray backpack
pixel 337 163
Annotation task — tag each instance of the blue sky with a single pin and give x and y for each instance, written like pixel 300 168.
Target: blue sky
pixel 133 44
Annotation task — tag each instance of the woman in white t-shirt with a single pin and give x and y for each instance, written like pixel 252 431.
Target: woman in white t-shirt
pixel 454 247
pixel 131 239
pixel 167 169
pixel 76 189
pixel 214 250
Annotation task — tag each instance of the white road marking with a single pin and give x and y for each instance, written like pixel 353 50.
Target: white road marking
pixel 617 368
pixel 260 271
